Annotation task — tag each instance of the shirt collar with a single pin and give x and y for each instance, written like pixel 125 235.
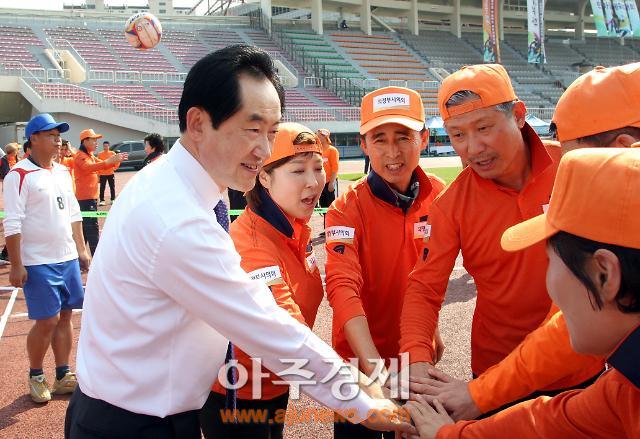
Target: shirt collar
pixel 419 188
pixel 271 213
pixel 626 357
pixel 194 175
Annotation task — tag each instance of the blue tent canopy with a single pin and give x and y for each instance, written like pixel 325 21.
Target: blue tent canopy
pixel 435 125
pixel 539 126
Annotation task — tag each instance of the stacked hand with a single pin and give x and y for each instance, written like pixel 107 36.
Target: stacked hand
pixel 452 393
pixel 428 418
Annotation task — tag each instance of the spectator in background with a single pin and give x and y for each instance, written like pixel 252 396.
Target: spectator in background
pixel 47 250
pixel 10 158
pixel 6 163
pixel 330 158
pixel 106 175
pixel 26 149
pixel 86 167
pixel 154 147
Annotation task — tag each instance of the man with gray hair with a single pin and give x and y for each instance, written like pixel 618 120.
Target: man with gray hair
pixel 509 179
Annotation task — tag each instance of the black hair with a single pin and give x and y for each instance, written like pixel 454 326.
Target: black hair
pixel 464 96
pixel 608 137
pixel 156 142
pixel 26 146
pixel 574 252
pixel 213 82
pixel 106 141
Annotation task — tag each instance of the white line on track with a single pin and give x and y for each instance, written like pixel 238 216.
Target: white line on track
pixel 7 311
pixel 24 314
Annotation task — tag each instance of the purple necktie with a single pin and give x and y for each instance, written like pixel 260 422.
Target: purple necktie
pixel 222 216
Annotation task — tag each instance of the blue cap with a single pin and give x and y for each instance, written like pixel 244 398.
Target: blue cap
pixel 44 122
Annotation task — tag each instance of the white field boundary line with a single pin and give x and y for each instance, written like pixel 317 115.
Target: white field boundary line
pixel 20 315
pixel 7 311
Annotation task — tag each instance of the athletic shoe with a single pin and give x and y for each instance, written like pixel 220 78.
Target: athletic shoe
pixel 102 203
pixel 38 389
pixel 66 385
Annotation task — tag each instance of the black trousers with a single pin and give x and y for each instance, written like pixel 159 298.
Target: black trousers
pixel 104 179
pixel 346 430
pixel 90 227
pixel 538 393
pixel 267 423
pixel 93 418
pixel 326 197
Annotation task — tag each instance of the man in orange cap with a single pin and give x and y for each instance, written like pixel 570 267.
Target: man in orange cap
pixel 86 167
pixel 541 358
pixel 616 90
pixel 330 160
pixel 366 273
pixel 592 238
pixel 509 179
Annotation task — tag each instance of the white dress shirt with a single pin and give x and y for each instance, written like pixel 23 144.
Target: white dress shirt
pixel 166 291
pixel 39 204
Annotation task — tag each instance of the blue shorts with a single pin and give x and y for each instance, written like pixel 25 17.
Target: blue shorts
pixel 53 287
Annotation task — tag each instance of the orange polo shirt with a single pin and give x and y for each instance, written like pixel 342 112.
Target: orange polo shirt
pixel 277 251
pixel 544 360
pixel 512 298
pixel 606 409
pixel 86 167
pixel 372 244
pixel 330 159
pixel 104 155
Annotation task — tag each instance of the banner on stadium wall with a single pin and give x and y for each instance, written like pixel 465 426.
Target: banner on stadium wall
pixel 535 13
pixel 491 31
pixel 620 22
pixel 599 18
pixel 634 17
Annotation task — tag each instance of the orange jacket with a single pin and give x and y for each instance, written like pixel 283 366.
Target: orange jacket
pixel 330 159
pixel 512 299
pixel 104 155
pixel 544 360
pixel 279 252
pixel 86 167
pixel 606 409
pixel 372 245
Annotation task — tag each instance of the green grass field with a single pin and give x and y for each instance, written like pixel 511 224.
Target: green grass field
pixel 447 174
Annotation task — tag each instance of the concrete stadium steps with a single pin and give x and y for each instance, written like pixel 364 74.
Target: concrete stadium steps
pixel 315 46
pixel 170 93
pixel 15 42
pixel 263 41
pixel 523 76
pixel 219 39
pixel 65 92
pixel 132 97
pixel 184 46
pixel 151 60
pixel 442 49
pixel 381 56
pixel 605 51
pixel 96 53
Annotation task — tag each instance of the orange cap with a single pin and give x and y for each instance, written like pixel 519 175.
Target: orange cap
pixel 602 100
pixel 596 196
pixel 89 134
pixel 283 145
pixel 392 105
pixel 489 81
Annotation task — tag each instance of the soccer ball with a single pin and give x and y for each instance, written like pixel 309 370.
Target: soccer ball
pixel 143 30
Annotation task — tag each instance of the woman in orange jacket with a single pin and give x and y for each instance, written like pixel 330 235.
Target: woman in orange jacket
pixel 593 244
pixel 273 238
pixel 85 168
